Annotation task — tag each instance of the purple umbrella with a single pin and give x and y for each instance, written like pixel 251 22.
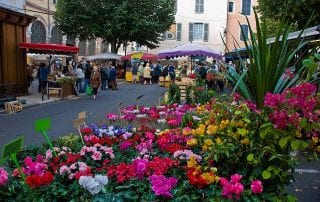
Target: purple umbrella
pixel 189 50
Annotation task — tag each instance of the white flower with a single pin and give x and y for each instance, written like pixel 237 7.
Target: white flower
pixel 93 185
pixel 141 115
pixel 161 121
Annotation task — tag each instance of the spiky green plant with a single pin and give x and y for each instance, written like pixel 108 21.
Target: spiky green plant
pixel 268 62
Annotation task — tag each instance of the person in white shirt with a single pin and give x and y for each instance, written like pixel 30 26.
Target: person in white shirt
pixel 79 75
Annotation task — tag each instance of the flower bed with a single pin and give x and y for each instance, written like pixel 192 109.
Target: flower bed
pixel 220 151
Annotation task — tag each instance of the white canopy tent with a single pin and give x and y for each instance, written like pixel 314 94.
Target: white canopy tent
pixel 104 56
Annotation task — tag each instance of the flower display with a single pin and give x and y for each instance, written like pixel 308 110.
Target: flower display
pixel 3 176
pixel 226 149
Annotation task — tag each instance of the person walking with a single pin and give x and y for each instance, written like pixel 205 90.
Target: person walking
pixel 95 80
pixel 79 75
pixel 87 74
pixel 147 74
pixel 134 72
pixel 43 77
pixel 104 77
pixel 172 73
pixel 113 78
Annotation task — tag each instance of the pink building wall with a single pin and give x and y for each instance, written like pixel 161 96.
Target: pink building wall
pixel 233 28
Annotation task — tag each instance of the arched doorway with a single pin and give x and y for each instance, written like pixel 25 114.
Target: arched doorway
pixel 38 32
pixel 56 36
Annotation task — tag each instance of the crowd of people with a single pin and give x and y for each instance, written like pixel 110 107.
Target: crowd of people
pixel 86 75
pixel 212 73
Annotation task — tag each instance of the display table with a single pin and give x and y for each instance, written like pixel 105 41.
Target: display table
pixel 164 81
pixel 183 84
pixel 129 76
pixel 62 88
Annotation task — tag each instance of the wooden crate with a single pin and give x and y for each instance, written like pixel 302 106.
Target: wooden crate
pixel 13 107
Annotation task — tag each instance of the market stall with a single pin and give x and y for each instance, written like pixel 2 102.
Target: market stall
pixel 136 57
pixel 59 83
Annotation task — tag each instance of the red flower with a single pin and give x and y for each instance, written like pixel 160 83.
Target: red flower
pixel 34 181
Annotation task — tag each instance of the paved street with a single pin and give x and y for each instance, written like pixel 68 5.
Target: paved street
pixel 306 187
pixel 63 113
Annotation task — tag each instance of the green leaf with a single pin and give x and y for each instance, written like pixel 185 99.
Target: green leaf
pixel 291 198
pixel 250 157
pixel 266 174
pixel 310 64
pixel 242 131
pixel 246 120
pixel 283 142
pixel 237 112
pixel 295 144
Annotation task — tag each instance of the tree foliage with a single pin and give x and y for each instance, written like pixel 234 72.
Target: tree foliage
pixel 116 21
pixel 294 12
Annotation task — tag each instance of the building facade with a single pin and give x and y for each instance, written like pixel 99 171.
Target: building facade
pixel 204 22
pixel 237 11
pixel 197 21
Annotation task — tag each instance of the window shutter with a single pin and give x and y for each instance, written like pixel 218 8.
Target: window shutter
pixel 179 29
pixel 201 6
pixel 206 32
pixel 190 31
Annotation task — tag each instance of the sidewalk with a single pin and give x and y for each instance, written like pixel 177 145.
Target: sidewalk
pixel 34 97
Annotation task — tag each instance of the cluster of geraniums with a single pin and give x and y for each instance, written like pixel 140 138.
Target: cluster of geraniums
pixel 210 151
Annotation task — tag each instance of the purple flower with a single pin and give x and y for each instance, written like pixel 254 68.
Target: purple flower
pixel 125 145
pixel 162 185
pixel 140 166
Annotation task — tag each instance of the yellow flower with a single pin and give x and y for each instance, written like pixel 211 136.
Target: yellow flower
pixel 298 134
pixel 223 124
pixel 186 131
pixel 201 129
pixel 245 141
pixel 208 142
pixel 218 140
pixel 209 177
pixel 192 142
pixel 192 163
pixel 212 129
pixel 317 149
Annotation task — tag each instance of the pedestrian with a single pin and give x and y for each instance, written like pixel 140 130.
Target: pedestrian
pixel 172 73
pixel 104 77
pixel 79 76
pixel 140 72
pixel 95 80
pixel 29 75
pixel 43 72
pixel 147 74
pixel 87 74
pixel 113 78
pixel 134 72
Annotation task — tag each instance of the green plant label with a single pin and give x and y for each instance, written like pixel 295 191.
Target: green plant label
pixel 43 124
pixel 12 147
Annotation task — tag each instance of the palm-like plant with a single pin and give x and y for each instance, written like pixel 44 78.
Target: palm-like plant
pixel 267 63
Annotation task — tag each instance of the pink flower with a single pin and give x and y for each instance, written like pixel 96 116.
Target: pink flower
pixel 48 154
pixel 236 178
pixel 35 167
pixel 3 176
pixel 125 145
pixel 140 166
pixel 256 186
pixel 162 185
pixel 64 170
pixel 112 117
pixel 96 156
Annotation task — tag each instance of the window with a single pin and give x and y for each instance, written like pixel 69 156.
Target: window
pixel 175 6
pixel 92 47
pixel 82 47
pixel 244 31
pixel 104 47
pixel 199 6
pixel 231 7
pixel 54 1
pixel 246 7
pixel 56 36
pixel 198 31
pixel 38 32
pixel 179 29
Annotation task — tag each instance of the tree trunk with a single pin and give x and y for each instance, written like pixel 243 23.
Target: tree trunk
pixel 114 48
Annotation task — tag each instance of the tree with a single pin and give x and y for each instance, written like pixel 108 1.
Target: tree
pixel 117 22
pixel 295 13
